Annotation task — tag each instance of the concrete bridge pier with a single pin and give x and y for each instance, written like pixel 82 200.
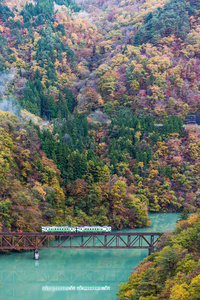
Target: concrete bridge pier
pixel 151 250
pixel 36 254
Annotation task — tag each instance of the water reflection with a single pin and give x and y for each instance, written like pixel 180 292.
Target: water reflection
pixel 100 276
pixel 47 288
pixel 66 274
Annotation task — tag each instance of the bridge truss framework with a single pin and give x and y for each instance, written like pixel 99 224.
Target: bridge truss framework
pixel 86 240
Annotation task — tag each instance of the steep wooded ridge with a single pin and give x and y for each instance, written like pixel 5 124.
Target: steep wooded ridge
pixel 107 87
pixel 30 182
pixel 173 272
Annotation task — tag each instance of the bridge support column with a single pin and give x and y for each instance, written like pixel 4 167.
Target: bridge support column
pixel 36 254
pixel 151 250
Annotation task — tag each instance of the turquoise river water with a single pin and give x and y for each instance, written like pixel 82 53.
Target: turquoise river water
pixel 62 274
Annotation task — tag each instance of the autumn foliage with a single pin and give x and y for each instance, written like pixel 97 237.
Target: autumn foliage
pixel 172 272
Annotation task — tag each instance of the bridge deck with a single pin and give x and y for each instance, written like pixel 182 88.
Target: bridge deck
pixel 84 240
pixel 78 233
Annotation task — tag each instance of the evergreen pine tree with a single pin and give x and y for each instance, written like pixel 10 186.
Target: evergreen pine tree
pixel 48 144
pixel 70 169
pixel 85 126
pixel 77 163
pixel 184 215
pixel 52 107
pixel 83 165
pixel 62 106
pixel 39 165
pixel 37 74
pixel 70 99
pixel 90 154
pixel 149 155
pixel 168 172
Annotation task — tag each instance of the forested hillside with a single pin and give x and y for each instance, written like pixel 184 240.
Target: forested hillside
pixel 106 87
pixel 30 183
pixel 173 272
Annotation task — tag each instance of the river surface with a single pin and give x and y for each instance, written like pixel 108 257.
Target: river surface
pixel 71 274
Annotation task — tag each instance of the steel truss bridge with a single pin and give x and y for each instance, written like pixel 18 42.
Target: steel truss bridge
pixel 82 240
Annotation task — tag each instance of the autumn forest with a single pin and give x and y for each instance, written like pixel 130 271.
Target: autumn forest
pixel 99 121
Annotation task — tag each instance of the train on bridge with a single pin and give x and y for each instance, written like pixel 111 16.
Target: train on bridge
pixel 76 229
